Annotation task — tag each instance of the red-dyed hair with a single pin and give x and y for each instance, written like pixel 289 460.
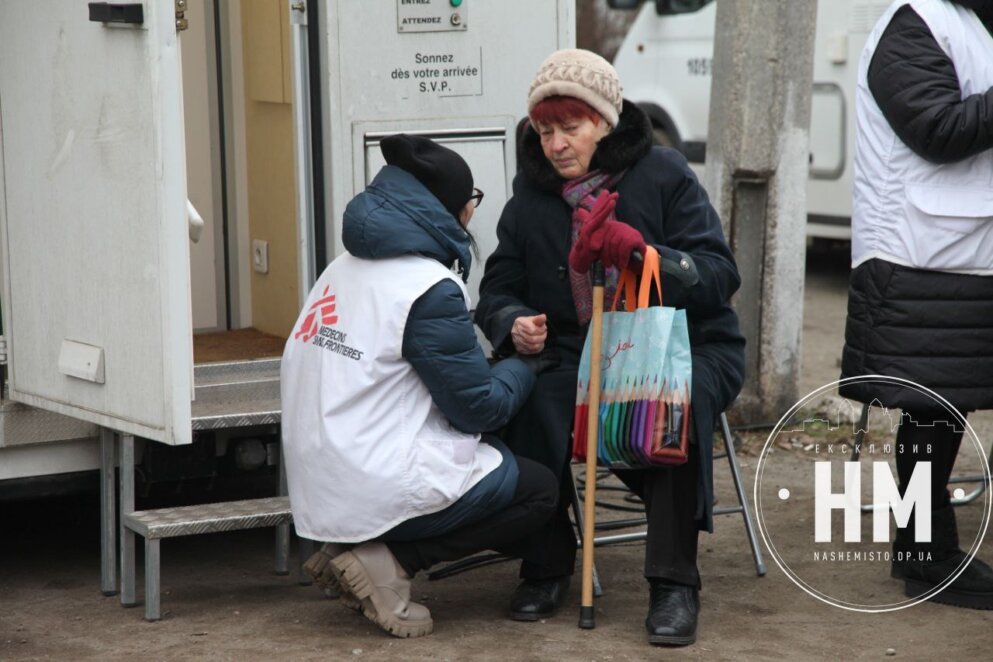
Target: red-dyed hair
pixel 560 109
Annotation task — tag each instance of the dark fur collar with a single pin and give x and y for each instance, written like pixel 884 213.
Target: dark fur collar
pixel 630 140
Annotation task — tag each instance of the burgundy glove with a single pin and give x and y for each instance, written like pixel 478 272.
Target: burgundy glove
pixel 588 244
pixel 619 241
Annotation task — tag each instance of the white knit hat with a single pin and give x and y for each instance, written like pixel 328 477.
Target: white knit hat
pixel 574 72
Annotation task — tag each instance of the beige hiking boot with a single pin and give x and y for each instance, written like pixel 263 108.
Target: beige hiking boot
pixel 319 567
pixel 371 573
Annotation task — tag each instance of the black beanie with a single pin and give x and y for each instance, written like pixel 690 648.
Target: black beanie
pixel 442 171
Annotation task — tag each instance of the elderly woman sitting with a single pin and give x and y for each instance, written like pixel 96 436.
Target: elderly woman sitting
pixel 592 187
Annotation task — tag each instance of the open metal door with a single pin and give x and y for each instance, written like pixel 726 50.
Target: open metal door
pixel 92 212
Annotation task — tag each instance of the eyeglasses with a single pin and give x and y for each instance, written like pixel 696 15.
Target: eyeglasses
pixel 476 197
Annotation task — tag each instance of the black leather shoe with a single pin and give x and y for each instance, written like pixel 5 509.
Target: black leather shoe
pixel 536 599
pixel 672 613
pixel 921 574
pixel 925 566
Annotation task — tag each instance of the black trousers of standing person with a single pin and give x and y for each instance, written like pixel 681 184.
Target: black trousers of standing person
pixel 930 440
pixel 534 501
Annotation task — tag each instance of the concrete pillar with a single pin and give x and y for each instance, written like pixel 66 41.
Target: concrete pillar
pixel 756 175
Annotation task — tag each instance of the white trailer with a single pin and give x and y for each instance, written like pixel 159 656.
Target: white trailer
pixel 128 130
pixel 665 63
pixel 111 120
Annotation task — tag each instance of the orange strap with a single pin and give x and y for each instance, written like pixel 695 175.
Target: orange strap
pixel 627 282
pixel 649 273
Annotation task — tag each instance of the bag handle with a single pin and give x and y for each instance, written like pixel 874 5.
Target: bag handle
pixel 628 281
pixel 625 282
pixel 650 273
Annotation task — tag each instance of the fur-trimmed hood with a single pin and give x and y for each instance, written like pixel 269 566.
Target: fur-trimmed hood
pixel 630 141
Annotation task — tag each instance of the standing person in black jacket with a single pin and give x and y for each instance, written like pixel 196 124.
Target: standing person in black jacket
pixel 921 297
pixel 587 163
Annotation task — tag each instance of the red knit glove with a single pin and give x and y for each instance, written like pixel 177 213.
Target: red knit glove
pixel 619 241
pixel 588 244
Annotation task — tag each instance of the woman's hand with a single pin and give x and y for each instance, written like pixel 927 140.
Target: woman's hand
pixel 603 238
pixel 588 244
pixel 529 334
pixel 620 241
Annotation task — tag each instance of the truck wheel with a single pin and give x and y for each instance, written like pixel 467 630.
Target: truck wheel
pixel 664 131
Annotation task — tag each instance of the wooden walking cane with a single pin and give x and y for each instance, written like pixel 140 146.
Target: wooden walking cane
pixel 587 617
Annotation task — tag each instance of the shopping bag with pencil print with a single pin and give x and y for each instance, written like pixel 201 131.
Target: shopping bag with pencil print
pixel 645 379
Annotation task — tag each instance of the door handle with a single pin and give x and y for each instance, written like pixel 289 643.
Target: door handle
pixel 104 12
pixel 195 220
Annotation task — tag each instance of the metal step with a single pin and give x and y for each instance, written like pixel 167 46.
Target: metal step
pixel 153 525
pixel 212 373
pixel 236 394
pixel 209 518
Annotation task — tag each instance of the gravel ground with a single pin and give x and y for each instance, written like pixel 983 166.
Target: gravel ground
pixel 221 600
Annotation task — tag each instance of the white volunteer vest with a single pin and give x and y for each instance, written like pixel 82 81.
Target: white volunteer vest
pixel 905 209
pixel 365 446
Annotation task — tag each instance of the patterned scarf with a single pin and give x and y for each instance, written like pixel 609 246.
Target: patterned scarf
pixel 581 193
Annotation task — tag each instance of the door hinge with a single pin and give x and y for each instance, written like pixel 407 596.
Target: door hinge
pixel 181 22
pixel 3 350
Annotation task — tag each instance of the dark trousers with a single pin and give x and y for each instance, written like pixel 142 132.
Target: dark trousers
pixel 490 495
pixel 535 500
pixel 928 442
pixel 670 498
pixel 542 430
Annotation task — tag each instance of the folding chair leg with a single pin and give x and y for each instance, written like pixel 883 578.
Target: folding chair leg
pixel 746 512
pixel 577 511
pixel 970 496
pixel 860 434
pixel 967 498
pixel 978 478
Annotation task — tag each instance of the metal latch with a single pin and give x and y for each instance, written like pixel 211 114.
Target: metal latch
pixel 181 22
pixel 3 350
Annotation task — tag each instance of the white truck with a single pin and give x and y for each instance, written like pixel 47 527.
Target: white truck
pixel 124 124
pixel 665 64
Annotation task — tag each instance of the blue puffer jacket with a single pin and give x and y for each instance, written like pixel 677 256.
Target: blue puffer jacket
pixel 396 215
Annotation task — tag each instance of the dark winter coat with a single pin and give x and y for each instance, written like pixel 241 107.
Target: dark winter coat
pixel 528 274
pixel 928 327
pixel 396 215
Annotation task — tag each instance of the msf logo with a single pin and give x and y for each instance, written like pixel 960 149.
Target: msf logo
pixel 886 496
pixel 324 306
